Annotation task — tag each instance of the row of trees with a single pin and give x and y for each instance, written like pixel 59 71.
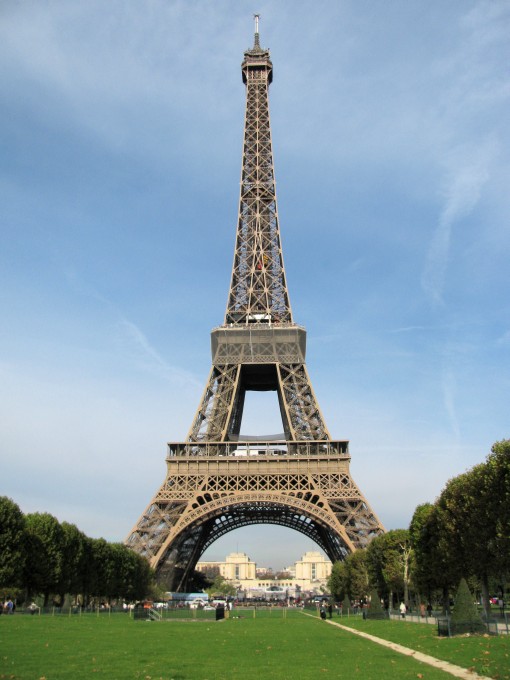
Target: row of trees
pixel 40 556
pixel 465 533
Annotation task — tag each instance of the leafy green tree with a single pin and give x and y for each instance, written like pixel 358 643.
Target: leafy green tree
pixel 198 582
pixel 433 568
pixel 90 576
pixel 221 588
pixel 105 559
pixel 143 580
pixel 12 544
pixel 350 577
pixel 338 584
pixel 420 542
pixel 497 499
pixel 44 565
pixel 74 562
pixel 359 576
pixel 389 561
pixel 474 526
pixel 134 577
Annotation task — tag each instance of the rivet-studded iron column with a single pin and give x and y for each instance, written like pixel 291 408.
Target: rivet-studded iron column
pixel 218 480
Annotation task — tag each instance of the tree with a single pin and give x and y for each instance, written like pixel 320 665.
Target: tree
pixel 134 576
pixel 106 564
pixel 143 579
pixel 350 577
pixel 283 575
pixel 44 565
pixel 359 577
pixel 389 561
pixel 338 581
pixel 497 491
pixel 74 562
pixel 221 588
pixel 12 544
pixel 90 577
pixel 433 568
pixel 199 581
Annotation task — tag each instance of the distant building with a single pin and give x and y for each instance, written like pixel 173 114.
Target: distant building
pixel 237 567
pixel 307 577
pixel 313 567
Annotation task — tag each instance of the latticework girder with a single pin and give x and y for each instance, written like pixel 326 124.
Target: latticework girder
pixel 217 480
pixel 218 400
pixel 258 290
pixel 220 488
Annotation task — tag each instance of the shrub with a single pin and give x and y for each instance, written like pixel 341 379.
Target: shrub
pixel 375 611
pixel 465 616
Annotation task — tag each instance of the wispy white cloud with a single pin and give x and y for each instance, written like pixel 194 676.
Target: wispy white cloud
pixel 152 360
pixel 468 171
pixel 133 340
pixel 408 329
pixel 449 392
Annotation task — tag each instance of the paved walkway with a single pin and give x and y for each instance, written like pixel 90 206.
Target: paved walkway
pixel 451 668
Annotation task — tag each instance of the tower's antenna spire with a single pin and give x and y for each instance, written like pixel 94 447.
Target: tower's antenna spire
pixel 257 42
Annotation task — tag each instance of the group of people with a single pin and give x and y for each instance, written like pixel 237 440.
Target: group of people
pixel 424 610
pixel 7 607
pixel 326 608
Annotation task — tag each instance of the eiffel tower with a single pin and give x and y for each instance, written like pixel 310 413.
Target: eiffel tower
pixel 218 480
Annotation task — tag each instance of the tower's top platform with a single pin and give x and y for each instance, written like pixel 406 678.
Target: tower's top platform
pixel 257 57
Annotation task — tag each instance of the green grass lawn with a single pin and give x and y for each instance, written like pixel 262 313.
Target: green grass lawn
pixel 268 646
pixel 484 654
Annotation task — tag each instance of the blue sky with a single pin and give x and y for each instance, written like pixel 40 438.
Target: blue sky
pixel 121 138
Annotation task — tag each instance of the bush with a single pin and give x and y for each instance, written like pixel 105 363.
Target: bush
pixel 375 610
pixel 465 617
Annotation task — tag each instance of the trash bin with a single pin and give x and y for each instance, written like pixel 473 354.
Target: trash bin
pixel 220 613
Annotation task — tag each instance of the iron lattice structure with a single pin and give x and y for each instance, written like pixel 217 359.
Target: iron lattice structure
pixel 216 480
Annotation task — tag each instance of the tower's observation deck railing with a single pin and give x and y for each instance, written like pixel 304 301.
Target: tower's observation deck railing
pixel 260 449
pixel 258 343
